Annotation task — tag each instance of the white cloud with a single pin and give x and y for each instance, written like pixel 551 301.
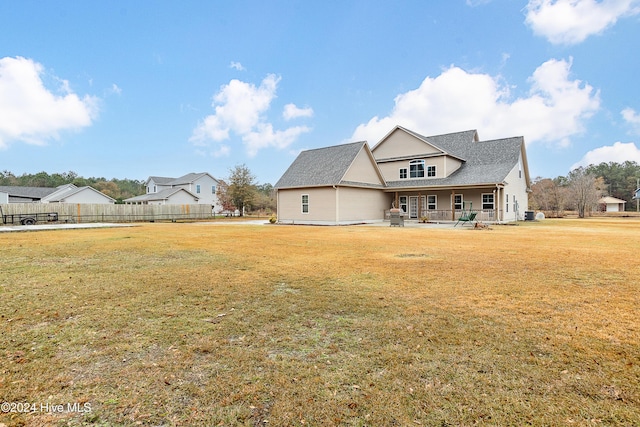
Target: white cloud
pixel 32 113
pixel 222 151
pixel 619 152
pixel 114 89
pixel 553 111
pixel 632 117
pixel 291 111
pixel 264 136
pixel 572 21
pixel 237 66
pixel 241 108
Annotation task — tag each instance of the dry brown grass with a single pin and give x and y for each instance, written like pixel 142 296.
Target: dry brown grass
pixel 195 324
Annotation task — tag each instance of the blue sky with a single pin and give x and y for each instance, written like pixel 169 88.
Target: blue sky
pixel 129 89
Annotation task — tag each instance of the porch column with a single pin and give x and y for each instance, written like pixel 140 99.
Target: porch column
pixel 498 204
pixel 495 202
pixel 395 204
pixel 419 206
pixel 453 208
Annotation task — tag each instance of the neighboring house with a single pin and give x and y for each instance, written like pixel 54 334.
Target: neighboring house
pixel 636 195
pixel 193 188
pixel 71 194
pixel 4 197
pixel 26 194
pixel 67 193
pixel 611 204
pixel 169 196
pixel 437 177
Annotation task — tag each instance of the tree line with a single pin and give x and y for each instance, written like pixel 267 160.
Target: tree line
pixel 239 191
pixel 581 189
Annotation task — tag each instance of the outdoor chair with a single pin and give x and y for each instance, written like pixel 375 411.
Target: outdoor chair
pixel 468 216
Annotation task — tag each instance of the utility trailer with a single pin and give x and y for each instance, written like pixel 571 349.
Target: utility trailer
pixel 28 219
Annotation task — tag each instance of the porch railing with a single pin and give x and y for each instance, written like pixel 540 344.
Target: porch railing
pixel 487 215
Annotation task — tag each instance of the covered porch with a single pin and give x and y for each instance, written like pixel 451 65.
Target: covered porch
pixel 449 204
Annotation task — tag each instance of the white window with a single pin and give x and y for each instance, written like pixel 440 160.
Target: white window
pixel 432 203
pixel 431 171
pixel 305 203
pixel 458 203
pixel 197 188
pixel 416 169
pixel 487 201
pixel 403 173
pixel 403 203
pixel 507 204
pixel 213 189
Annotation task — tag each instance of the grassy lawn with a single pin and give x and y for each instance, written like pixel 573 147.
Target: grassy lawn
pixel 224 325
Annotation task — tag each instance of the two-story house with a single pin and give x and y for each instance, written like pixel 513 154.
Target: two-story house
pixel 192 188
pixel 438 177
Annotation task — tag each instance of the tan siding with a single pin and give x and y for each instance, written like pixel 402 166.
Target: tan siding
pixel 400 143
pixel 451 165
pixel 362 170
pixel 391 170
pixel 322 205
pixel 362 204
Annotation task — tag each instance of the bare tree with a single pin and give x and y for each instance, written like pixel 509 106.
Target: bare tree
pixel 549 195
pixel 585 190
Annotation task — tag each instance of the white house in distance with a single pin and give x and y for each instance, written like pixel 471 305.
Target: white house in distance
pixel 439 177
pixel 67 193
pixel 192 188
pixel 612 204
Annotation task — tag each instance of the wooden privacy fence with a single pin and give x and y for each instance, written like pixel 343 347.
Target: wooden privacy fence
pixel 77 213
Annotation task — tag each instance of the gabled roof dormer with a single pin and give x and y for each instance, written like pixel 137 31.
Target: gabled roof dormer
pixel 347 164
pixel 402 143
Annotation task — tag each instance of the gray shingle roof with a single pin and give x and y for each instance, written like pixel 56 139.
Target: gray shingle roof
pixel 484 162
pixel 186 179
pixel 320 166
pixel 28 192
pixel 162 180
pixel 160 195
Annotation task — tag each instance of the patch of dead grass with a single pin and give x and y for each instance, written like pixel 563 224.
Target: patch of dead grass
pixel 190 324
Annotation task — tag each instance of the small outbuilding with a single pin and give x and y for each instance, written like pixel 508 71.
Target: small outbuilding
pixel 611 204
